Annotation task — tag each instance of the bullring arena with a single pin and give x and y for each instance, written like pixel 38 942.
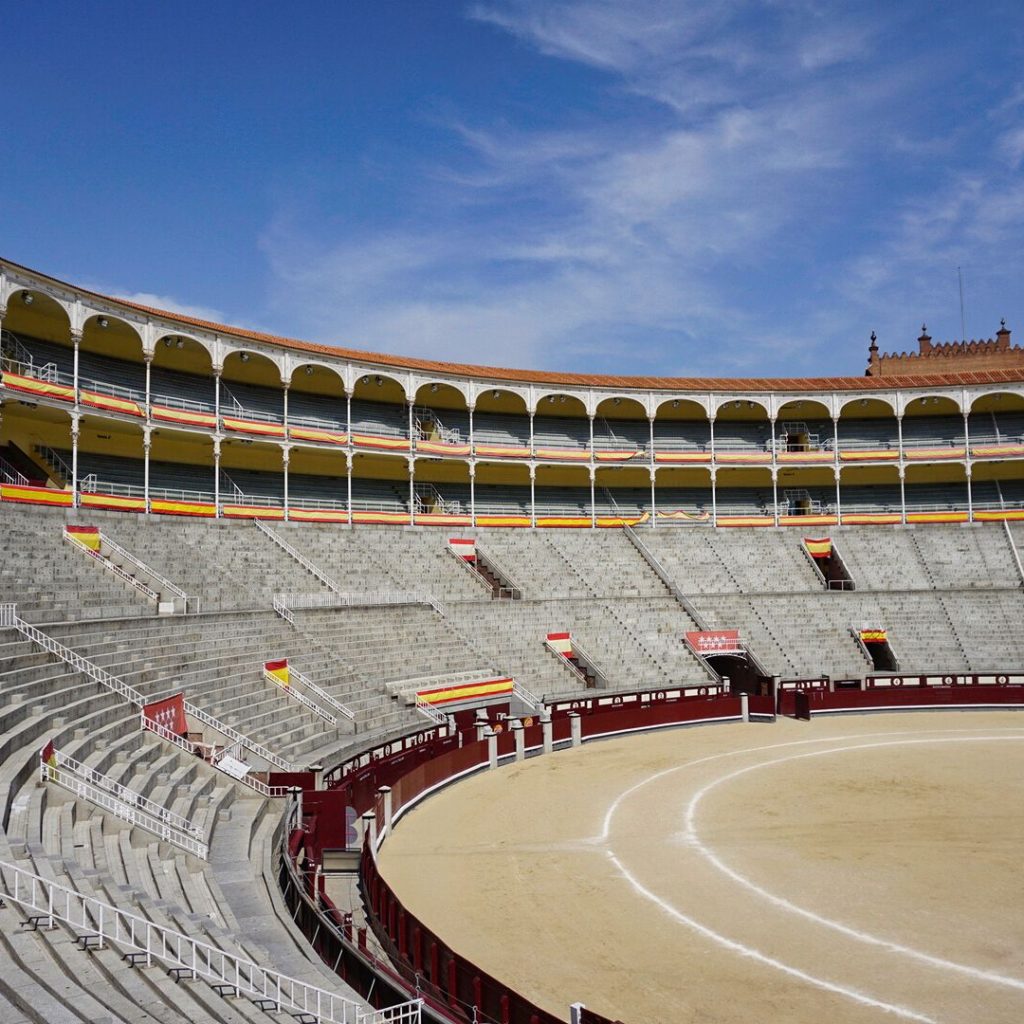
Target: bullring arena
pixel 343 687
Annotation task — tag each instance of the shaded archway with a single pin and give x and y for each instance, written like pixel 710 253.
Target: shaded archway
pixel 742 427
pixel 745 493
pixel 560 424
pixel 501 424
pixel 181 374
pixel 936 488
pixel 682 425
pixel 933 422
pixel 251 387
pixel 997 419
pixel 997 485
pixel 867 427
pixel 441 414
pixel 683 495
pixel 316 398
pixel 379 407
pixel 110 357
pixel 803 425
pixel 621 425
pixel 36 337
pixel 870 490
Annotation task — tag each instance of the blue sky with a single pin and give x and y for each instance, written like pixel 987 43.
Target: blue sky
pixel 728 188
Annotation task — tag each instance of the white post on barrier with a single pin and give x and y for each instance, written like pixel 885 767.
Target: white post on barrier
pixel 776 686
pixel 547 731
pixel 385 793
pixel 296 791
pixel 318 776
pixel 745 707
pixel 576 1013
pixel 481 723
pixel 370 828
pixel 520 737
pixel 492 748
pixel 576 728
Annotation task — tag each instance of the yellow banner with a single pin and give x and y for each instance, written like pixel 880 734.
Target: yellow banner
pixel 253 427
pixel 468 691
pixel 819 548
pixel 623 456
pixel 934 454
pixel 682 457
pixel 874 636
pixel 563 454
pixel 440 448
pixel 125 405
pixel 278 672
pixel 31 386
pixel 251 512
pixel 755 457
pixel 182 508
pixel 34 495
pixel 396 444
pixel 870 455
pixel 502 451
pixel 320 436
pixel 318 515
pixel 193 419
pixel 112 501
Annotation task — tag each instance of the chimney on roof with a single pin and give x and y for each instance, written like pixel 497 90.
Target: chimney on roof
pixel 1002 335
pixel 924 342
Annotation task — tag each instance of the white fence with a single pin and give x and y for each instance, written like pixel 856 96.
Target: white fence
pixel 298 556
pixel 124 803
pixel 47 902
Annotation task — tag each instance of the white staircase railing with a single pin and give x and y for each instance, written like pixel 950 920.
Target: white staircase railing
pixel 162 581
pixel 10 475
pixel 429 711
pixel 47 902
pixel 9 618
pixel 322 694
pixel 294 694
pixel 1013 549
pixel 124 803
pixel 106 563
pixel 508 581
pixel 298 556
pixel 528 698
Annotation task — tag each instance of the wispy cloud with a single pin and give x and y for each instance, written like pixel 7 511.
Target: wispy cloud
pixel 772 193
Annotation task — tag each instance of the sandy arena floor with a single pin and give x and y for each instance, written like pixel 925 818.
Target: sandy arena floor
pixel 845 870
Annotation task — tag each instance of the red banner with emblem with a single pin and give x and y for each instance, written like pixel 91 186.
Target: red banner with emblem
pixel 168 713
pixel 716 641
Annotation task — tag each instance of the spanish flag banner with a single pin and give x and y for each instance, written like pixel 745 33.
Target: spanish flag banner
pixel 34 495
pixel 441 448
pixel 253 427
pixel 485 689
pixel 391 444
pixel 561 642
pixel 186 416
pixel 463 547
pixel 315 434
pixel 277 672
pixel 100 401
pixel 502 451
pixel 563 454
pixel 87 536
pixel 48 760
pixel 874 636
pixel 42 388
pixel 818 548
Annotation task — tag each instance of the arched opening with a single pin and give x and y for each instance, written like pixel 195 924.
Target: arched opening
pixel 379 407
pixel 501 424
pixel 316 399
pixel 683 495
pixel 317 481
pixel 997 486
pixel 997 419
pixel 31 435
pixel 110 359
pixel 251 475
pixel 563 492
pixel 743 430
pixel 441 415
pixel 803 425
pixel 441 490
pixel 502 491
pixel 941 488
pixel 36 338
pixel 870 491
pixel 868 431
pixel 681 429
pixel 560 426
pixel 181 375
pixel 251 387
pixel 745 493
pixel 621 428
pixel 806 492
pixel 934 425
pixel 624 491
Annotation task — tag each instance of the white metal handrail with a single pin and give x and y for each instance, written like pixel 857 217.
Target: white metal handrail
pixel 164 582
pixel 528 698
pixel 10 475
pixel 560 655
pixel 582 655
pixel 130 796
pixel 107 388
pixel 294 694
pixel 506 577
pixel 429 711
pixel 51 902
pixel 120 573
pixel 185 404
pixel 298 556
pixel 315 421
pixel 208 752
pixel 124 808
pixel 322 694
pixel 10 617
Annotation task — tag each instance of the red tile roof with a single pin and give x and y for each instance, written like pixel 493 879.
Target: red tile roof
pixel 546 377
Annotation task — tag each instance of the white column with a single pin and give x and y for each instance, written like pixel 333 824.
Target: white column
pixel 591 418
pixel 348 477
pixel 472 493
pixel 411 401
pixel 593 503
pixel 285 419
pixel 576 728
pixel 217 370
pixel 148 357
pixel 839 506
pixel 652 467
pixel 492 748
pixel 547 730
pixel 216 475
pixel 285 459
pixel 74 454
pixel 902 467
pixel 520 739
pixel 533 495
pixel 775 494
pixel 714 473
pixel 385 793
pixel 654 503
pixel 147 442
pixel 531 435
pixel 967 467
pixel 471 430
pixel 76 340
pixel 412 487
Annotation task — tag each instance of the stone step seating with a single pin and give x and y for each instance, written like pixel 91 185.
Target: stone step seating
pixel 538 567
pixel 959 556
pixel 989 627
pixel 609 563
pixel 218 662
pixel 226 565
pixel 385 643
